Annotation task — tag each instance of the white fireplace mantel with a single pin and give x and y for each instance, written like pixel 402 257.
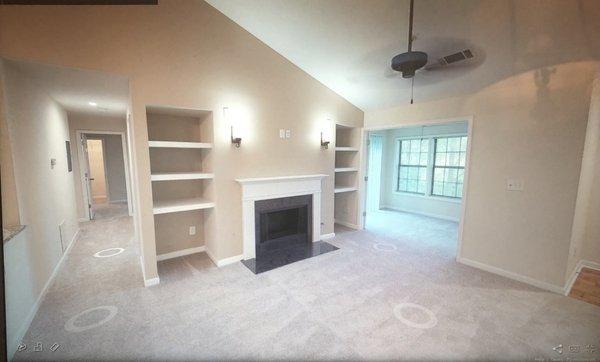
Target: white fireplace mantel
pixel 264 188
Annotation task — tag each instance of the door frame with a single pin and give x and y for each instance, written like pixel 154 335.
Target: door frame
pixel 363 168
pixel 81 156
pixel 368 158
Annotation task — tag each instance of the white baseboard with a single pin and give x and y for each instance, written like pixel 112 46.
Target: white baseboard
pixel 225 261
pixel 327 236
pixel 347 224
pixel 120 201
pixel 580 265
pixel 443 217
pixel 13 345
pixel 151 282
pixel 183 252
pixel 505 273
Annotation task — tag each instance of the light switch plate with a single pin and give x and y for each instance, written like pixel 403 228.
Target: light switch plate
pixel 192 230
pixel 288 133
pixel 513 184
pixel 281 133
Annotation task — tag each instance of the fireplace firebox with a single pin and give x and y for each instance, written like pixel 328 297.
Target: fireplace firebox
pixel 283 233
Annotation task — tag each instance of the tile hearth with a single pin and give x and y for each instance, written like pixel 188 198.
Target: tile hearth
pixel 277 258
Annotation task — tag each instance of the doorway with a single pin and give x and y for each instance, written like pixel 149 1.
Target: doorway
pixel 104 174
pixel 416 183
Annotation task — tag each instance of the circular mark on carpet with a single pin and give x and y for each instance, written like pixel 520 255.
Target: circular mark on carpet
pixel 92 320
pixel 385 247
pixel 107 253
pixel 403 309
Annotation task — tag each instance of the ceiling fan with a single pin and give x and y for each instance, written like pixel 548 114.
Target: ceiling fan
pixel 409 62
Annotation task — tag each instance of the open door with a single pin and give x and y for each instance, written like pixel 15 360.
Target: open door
pixel 87 177
pixel 375 150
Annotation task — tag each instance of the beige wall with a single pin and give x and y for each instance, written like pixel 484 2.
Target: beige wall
pixel 10 204
pixel 38 129
pixel 526 129
pixel 187 54
pixel 90 122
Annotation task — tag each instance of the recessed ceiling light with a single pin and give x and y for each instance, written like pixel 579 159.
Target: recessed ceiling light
pixel 93 104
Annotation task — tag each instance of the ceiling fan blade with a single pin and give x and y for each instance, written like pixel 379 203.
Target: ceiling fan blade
pixel 451 59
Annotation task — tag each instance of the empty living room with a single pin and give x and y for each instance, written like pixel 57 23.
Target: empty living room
pixel 199 180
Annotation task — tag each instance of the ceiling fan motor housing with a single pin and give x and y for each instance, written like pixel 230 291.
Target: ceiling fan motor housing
pixel 408 63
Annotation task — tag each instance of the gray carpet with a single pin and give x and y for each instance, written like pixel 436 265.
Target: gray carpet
pixel 392 292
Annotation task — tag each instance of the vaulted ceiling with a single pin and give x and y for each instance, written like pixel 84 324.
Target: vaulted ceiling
pixel 348 44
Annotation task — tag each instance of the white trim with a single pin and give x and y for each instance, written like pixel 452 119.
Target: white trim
pixel 168 206
pixel 117 201
pixel 347 224
pixel 514 276
pixel 167 176
pixel 580 265
pixel 327 236
pixel 179 253
pixel 151 282
pixel 36 306
pixel 225 261
pixel 443 217
pixel 172 144
pixel 454 200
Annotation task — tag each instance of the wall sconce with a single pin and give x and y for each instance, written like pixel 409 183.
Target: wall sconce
pixel 324 144
pixel 237 141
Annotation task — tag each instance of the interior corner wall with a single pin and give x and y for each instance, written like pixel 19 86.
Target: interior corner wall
pixel 38 129
pixel 532 131
pixel 585 237
pixel 10 204
pixel 88 122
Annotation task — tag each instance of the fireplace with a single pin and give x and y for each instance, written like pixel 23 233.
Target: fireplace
pixel 281 219
pixel 282 223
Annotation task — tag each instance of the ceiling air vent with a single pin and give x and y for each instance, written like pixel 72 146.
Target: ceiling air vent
pixel 456 57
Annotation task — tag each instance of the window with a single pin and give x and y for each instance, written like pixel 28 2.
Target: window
pixel 412 168
pixel 449 166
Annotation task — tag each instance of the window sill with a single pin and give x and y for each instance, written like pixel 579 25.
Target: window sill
pixel 429 197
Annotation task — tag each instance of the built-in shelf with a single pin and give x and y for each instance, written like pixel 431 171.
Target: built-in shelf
pixel 169 176
pixel 344 189
pixel 346 149
pixel 172 144
pixel 197 203
pixel 346 169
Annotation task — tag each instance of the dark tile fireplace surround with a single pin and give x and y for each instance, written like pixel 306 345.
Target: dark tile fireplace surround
pixel 283 233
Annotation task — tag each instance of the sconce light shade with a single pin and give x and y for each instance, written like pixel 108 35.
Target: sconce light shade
pixel 237 141
pixel 324 144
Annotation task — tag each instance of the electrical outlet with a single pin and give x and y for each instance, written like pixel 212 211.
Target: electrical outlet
pixel 192 230
pixel 514 184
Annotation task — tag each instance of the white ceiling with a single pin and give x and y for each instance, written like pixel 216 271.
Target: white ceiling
pixel 348 44
pixel 74 88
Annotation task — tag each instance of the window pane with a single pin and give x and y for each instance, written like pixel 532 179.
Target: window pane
pixel 412 185
pixel 459 188
pixel 463 144
pixel 438 174
pixel 441 144
pixel 453 144
pixel 422 187
pixel 463 158
pixel 403 172
pixel 423 159
pixel 460 177
pixel 438 188
pixel 406 146
pixel 440 159
pixel 414 159
pixel 402 186
pixel 452 159
pixel 424 145
pixel 449 189
pixel 422 173
pixel 415 145
pixel 451 174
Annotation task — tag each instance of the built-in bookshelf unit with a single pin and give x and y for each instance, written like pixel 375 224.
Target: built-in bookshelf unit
pixel 347 161
pixel 180 146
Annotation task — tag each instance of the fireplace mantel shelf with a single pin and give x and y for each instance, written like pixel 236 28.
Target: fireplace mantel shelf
pixel 280 178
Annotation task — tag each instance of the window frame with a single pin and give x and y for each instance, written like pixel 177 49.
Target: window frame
pixel 433 166
pixel 398 165
pixel 430 166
